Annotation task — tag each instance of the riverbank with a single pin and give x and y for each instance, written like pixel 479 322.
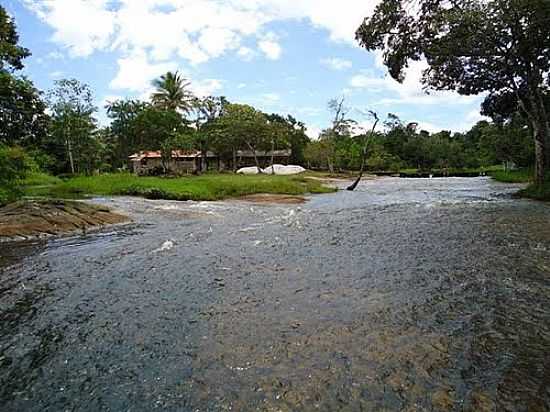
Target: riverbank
pixel 207 187
pixel 533 191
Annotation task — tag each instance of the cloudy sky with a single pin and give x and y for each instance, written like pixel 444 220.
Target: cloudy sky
pixel 284 56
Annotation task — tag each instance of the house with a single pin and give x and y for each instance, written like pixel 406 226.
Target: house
pixel 245 158
pixel 189 161
pixel 182 161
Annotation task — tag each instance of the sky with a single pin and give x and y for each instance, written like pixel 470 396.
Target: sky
pixel 280 56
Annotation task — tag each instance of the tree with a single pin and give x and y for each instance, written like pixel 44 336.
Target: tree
pixel 172 93
pixel 124 136
pixel 22 117
pixel 11 54
pixel 13 166
pixel 207 110
pixel 23 120
pixel 73 125
pixel 340 130
pixel 242 125
pixel 290 133
pixel 471 46
pixel 367 140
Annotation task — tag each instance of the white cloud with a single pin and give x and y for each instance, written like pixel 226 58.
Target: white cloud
pixel 82 26
pixel 270 48
pixel 313 132
pixel 336 63
pixel 196 30
pixel 136 72
pixel 246 53
pixel 410 91
pixel 206 87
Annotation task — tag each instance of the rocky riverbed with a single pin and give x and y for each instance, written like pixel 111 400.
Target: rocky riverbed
pixel 42 218
pixel 416 294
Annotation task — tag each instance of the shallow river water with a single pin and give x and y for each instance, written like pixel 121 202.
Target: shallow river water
pixel 406 295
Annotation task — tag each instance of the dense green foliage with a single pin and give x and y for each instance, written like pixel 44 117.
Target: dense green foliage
pixel 401 146
pixel 14 165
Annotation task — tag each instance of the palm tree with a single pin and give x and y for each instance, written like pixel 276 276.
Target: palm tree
pixel 172 93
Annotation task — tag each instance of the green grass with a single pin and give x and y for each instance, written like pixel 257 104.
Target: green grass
pixel 513 176
pixel 206 187
pixel 40 179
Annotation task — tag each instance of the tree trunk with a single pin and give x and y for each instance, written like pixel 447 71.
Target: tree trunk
pixel 541 132
pixel 204 157
pixel 272 156
pixel 255 157
pixel 234 160
pixel 545 126
pixel 365 153
pixel 70 151
pixel 540 151
pixel 356 183
pixel 539 123
pixel 330 166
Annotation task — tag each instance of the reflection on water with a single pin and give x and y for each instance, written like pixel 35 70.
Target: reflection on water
pixel 416 294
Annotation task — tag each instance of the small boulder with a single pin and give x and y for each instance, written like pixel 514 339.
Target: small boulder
pixel 282 170
pixel 249 171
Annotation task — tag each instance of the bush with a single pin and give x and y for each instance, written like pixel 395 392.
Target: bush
pixel 14 165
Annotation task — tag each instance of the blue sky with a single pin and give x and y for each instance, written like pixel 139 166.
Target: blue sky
pixel 284 56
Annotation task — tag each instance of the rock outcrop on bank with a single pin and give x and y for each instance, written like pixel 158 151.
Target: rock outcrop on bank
pixel 31 219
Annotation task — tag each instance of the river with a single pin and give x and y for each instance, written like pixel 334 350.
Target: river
pixel 406 295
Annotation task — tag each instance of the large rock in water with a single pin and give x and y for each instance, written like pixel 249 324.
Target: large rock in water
pixel 25 219
pixel 283 170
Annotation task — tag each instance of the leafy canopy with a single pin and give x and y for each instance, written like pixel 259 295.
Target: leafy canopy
pixel 11 54
pixel 470 46
pixel 172 93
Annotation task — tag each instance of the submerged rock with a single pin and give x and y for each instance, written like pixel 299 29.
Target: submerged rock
pixel 27 219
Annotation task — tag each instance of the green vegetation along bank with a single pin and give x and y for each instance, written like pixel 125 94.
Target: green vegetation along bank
pixel 205 187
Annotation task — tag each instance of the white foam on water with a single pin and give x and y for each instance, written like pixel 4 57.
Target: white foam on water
pixel 168 245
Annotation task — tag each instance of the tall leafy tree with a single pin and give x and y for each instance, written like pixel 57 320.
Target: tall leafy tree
pixel 125 138
pixel 207 110
pixel 473 47
pixel 242 126
pixel 22 112
pixel 172 93
pixel 73 125
pixel 340 131
pixel 23 120
pixel 11 53
pixel 290 133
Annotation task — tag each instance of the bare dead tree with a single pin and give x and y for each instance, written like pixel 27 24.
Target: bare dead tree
pixel 366 143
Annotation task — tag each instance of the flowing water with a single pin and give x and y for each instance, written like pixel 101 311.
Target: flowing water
pixel 408 294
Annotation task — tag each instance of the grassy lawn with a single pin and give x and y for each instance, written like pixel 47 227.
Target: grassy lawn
pixel 206 187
